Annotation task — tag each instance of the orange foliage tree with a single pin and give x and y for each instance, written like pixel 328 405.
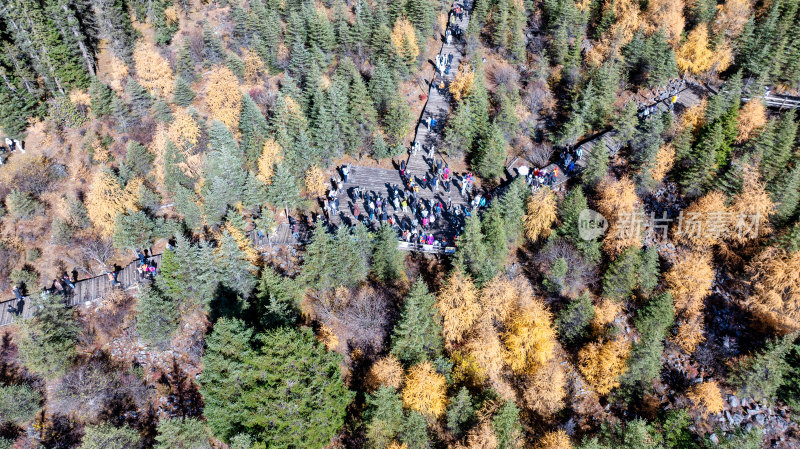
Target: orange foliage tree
pixel 707 397
pixel 425 390
pixel 667 15
pixel 628 21
pixel 315 181
pixel 545 390
pixel 752 117
pixel 618 203
pixel 732 17
pixel 223 98
pixel 557 439
pixel 107 198
pixel 486 349
pixel 665 159
pixel 152 69
pixel 463 83
pixel 183 131
pixel 459 306
pixel 386 371
pixel 775 298
pixel 705 222
pixel 530 338
pixel 270 155
pixel 751 209
pixel 541 214
pixel 690 279
pixel 404 40
pixel 498 298
pixel 696 56
pixel 602 363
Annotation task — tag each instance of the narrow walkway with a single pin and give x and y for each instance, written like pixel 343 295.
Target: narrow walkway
pixel 438 104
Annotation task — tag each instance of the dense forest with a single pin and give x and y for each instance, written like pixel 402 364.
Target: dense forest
pixel 641 294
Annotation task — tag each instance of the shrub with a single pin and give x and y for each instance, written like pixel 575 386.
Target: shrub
pixel 19 403
pixel 23 206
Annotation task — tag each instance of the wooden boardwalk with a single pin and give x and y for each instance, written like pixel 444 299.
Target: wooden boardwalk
pixel 438 104
pixel 85 290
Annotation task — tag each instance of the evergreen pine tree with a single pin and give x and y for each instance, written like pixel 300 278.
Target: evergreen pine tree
pixel 183 95
pixel 418 334
pixel 512 205
pixel 596 166
pixel 626 123
pixel 140 99
pixel 490 158
pixel 786 194
pixel 157 318
pixel 621 277
pixel 254 130
pixel 494 229
pixel 507 427
pixel 284 191
pixel 277 300
pixel 459 131
pixel 388 262
pixel 47 340
pixel 414 432
pixel 213 50
pixel 460 413
pixel 649 270
pixel 384 417
pixel 652 322
pixel 102 97
pixel 777 147
pixel 184 65
pixel 472 254
pixel 318 265
pixel 568 213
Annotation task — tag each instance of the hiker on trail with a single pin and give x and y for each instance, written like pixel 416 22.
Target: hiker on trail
pixel 404 205
pixel 57 286
pixel 396 203
pixel 402 168
pixel 112 278
pixel 345 173
pixel 435 183
pixel 141 256
pixel 415 148
pixel 463 187
pixel 68 281
pixel 579 152
pixel 17 293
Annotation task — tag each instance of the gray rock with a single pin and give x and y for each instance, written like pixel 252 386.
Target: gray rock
pixel 733 401
pixel 760 420
pixel 714 439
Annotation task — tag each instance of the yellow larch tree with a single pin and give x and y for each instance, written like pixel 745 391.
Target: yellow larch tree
pixel 153 70
pixel 752 117
pixel 117 71
pixel 157 148
pixel 485 347
pixel 498 298
pixel 775 298
pixel 665 159
pixel 404 40
pixel 425 390
pixel 107 198
pixel 481 436
pixel 707 397
pixel 628 21
pixel 463 83
pixel 254 68
pixel 541 214
pixel 244 243
pixel 315 181
pixel 690 279
pixel 693 118
pixel 530 339
pixel 183 131
pixel 458 305
pixel 605 312
pixel 557 439
pixel 619 204
pixel 81 99
pixel 223 98
pixel 386 371
pixel 751 209
pixel 545 390
pixel 601 364
pixel 397 445
pixel 705 222
pixel 467 370
pixel 668 16
pixel 271 154
pixel 695 55
pixel 732 17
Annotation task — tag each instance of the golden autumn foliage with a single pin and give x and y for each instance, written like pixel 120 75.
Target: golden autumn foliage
pixel 467 370
pixel 386 371
pixel 751 209
pixel 530 338
pixel 328 338
pixel 463 83
pixel 541 214
pixel 732 17
pixel 498 298
pixel 485 347
pixel 397 445
pixel 404 39
pixel 690 279
pixel 545 390
pixel 707 397
pixel 775 298
pixel 618 202
pixel 705 222
pixel 752 117
pixel 605 313
pixel 315 181
pixel 668 16
pixel 183 131
pixel 270 155
pixel 223 98
pixel 554 440
pixel 244 243
pixel 696 56
pixel 107 198
pixel 254 68
pixel 152 69
pixel 481 436
pixel 693 118
pixel 117 72
pixel 621 32
pixel 80 97
pixel 601 364
pixel 458 305
pixel 425 390
pixel 665 159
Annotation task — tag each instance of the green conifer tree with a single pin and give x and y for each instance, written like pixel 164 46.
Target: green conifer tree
pixel 418 334
pixel 388 262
